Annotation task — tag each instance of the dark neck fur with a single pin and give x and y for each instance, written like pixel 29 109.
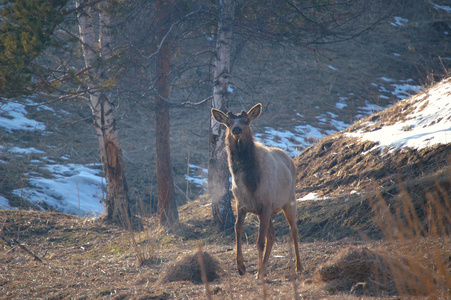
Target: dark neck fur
pixel 242 158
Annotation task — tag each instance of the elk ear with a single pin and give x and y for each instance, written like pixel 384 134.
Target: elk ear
pixel 254 112
pixel 219 116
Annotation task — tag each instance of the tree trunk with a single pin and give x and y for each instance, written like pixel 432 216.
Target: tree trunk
pixel 167 207
pixel 218 172
pixel 116 201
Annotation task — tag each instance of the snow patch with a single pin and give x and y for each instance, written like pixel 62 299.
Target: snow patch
pixel 332 67
pixel 4 203
pixel 400 89
pixel 73 189
pixel 291 141
pixel 441 7
pixel 398 21
pixel 341 104
pixel 198 176
pixel 25 151
pixel 12 117
pixel 429 124
pixel 312 196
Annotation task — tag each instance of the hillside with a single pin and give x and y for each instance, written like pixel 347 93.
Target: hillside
pixel 368 123
pixel 408 141
pixel 396 155
pixel 353 245
pixel 307 95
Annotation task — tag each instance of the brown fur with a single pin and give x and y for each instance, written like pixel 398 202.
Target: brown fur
pixel 263 183
pixel 242 159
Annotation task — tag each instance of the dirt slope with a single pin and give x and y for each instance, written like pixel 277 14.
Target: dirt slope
pixel 343 163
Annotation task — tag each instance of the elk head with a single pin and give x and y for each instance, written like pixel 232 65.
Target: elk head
pixel 238 126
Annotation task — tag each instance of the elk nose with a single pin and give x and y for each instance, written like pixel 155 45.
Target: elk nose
pixel 236 130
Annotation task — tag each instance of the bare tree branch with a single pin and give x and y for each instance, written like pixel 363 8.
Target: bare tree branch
pixel 186 103
pixel 301 12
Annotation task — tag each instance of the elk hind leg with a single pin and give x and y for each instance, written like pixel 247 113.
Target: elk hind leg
pixel 264 218
pixel 270 238
pixel 289 211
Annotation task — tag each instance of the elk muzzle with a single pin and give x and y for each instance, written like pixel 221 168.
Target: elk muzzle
pixel 236 130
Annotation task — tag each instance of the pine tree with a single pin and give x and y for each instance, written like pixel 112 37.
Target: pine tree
pixel 25 31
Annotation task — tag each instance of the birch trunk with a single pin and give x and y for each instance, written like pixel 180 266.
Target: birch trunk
pixel 96 47
pixel 218 172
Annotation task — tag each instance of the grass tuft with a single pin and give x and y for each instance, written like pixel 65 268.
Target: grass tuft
pixel 188 268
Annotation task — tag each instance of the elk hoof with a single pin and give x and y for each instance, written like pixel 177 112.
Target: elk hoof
pixel 242 270
pixel 299 268
pixel 260 276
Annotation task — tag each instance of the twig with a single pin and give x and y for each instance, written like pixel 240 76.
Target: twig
pixel 187 178
pixel 78 192
pixel 181 191
pixel 8 242
pixel 25 249
pixel 229 280
pixel 76 122
pixel 293 271
pixel 302 13
pixel 193 103
pixel 203 272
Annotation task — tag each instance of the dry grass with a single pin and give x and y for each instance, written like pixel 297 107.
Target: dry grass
pixel 188 268
pixel 420 230
pixel 414 260
pixel 92 259
pixel 371 272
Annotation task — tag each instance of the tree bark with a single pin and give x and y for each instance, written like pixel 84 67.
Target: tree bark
pixel 116 201
pixel 167 207
pixel 218 172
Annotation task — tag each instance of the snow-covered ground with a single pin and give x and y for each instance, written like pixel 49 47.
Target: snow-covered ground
pixel 291 141
pixel 427 125
pixel 71 188
pixel 77 189
pixel 13 117
pixel 4 203
pixel 446 8
pixel 74 189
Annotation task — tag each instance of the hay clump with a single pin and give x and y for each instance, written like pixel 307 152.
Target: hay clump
pixel 360 270
pixel 188 269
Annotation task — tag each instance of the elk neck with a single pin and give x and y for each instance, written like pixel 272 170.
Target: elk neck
pixel 243 160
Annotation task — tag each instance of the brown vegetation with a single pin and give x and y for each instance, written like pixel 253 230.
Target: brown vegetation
pixel 93 258
pixel 188 268
pixel 363 271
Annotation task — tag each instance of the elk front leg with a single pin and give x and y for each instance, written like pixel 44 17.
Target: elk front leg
pixel 238 233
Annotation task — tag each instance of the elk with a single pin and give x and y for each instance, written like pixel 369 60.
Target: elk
pixel 263 183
